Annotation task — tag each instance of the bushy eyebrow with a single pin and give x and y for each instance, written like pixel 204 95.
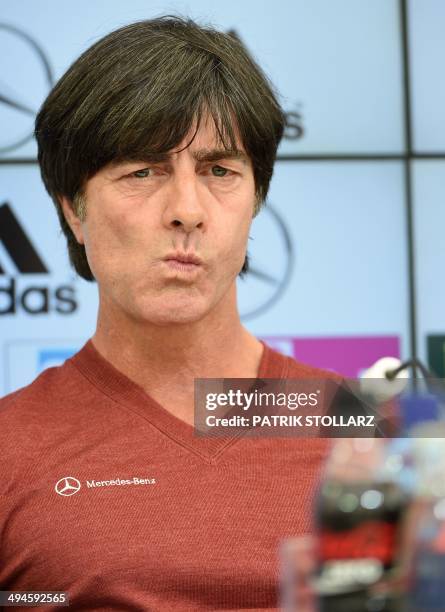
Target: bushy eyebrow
pixel 201 155
pixel 210 155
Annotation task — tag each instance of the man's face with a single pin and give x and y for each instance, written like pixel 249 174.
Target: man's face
pixel 141 215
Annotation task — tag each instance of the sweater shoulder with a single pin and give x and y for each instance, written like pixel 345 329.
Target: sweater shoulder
pixel 51 383
pixel 292 368
pixel 36 408
pixel 297 369
pixel 30 417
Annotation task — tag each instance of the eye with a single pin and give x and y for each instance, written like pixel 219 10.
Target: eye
pixel 219 171
pixel 143 173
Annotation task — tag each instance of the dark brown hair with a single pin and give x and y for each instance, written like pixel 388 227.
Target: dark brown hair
pixel 137 92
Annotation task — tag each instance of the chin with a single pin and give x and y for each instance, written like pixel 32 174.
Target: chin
pixel 174 314
pixel 166 320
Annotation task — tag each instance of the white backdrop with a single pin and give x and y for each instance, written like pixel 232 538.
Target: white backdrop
pixel 329 254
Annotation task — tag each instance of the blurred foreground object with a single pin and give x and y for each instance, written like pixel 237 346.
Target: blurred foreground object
pixel 389 387
pixel 423 538
pixel 379 517
pixel 357 516
pixel 298 565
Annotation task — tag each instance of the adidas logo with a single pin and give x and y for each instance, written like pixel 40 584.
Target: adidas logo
pixel 32 299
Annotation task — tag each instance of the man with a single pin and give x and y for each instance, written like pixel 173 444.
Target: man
pixel 157 147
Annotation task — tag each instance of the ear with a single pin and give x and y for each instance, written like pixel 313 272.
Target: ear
pixel 72 219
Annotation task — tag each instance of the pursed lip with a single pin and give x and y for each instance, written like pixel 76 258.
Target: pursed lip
pixel 184 258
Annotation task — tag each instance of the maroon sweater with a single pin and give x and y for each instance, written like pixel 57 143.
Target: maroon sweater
pixel 163 520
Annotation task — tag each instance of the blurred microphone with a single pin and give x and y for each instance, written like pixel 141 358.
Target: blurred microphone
pixel 392 377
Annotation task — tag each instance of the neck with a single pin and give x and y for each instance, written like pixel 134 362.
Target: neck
pixel 171 356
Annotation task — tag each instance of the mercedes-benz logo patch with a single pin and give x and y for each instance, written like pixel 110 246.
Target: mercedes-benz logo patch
pixel 67 486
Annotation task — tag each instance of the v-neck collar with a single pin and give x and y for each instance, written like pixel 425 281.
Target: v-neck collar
pixel 127 394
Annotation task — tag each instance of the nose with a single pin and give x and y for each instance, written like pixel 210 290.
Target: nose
pixel 185 205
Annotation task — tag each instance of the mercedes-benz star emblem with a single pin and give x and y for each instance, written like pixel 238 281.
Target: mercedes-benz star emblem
pixel 22 89
pixel 67 486
pixel 271 261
